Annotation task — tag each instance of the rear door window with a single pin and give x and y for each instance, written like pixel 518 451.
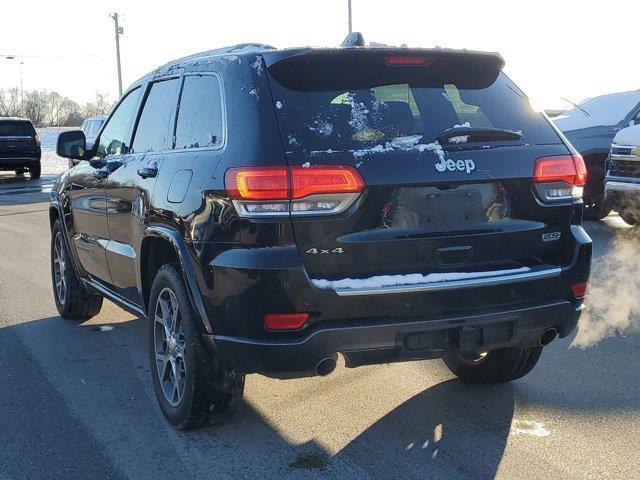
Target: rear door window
pixel 154 132
pixel 113 141
pixel 339 102
pixel 16 129
pixel 199 121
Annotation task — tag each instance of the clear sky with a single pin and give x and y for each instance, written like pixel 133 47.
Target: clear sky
pixel 553 48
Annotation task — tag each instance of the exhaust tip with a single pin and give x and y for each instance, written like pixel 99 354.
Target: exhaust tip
pixel 548 337
pixel 325 366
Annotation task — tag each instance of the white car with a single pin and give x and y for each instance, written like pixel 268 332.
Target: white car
pixel 623 174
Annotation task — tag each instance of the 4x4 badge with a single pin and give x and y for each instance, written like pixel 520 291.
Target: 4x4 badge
pixel 467 165
pixel 550 237
pixel 323 251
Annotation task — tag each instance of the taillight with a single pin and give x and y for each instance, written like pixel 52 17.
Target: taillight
pixel 560 178
pixel 37 139
pixel 265 183
pixel 268 191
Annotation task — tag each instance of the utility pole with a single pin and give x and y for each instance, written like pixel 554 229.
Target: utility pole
pixel 119 31
pixel 350 29
pixel 21 89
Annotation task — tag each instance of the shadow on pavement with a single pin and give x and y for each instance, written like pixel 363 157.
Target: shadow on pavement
pixel 81 405
pixel 22 190
pixel 450 430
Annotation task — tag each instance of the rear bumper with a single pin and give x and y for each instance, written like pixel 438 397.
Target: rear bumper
pixel 390 342
pixel 379 327
pixel 10 163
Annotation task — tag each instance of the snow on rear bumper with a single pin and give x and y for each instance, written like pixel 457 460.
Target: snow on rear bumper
pixel 433 282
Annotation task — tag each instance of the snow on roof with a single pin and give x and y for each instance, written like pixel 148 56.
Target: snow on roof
pixel 604 110
pixel 629 136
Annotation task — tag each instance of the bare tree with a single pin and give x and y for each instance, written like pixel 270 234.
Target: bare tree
pixel 35 106
pixel 10 105
pixel 50 108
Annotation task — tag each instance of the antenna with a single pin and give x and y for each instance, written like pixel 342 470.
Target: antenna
pixel 349 6
pixel 354 39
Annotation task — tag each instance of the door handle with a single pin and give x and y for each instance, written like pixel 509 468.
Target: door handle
pixel 101 173
pixel 148 172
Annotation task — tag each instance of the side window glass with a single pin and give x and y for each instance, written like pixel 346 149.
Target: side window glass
pixel 95 127
pixel 84 126
pixel 112 141
pixel 200 114
pixel 154 130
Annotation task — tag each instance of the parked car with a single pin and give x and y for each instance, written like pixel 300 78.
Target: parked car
pixel 590 127
pixel 623 175
pixel 91 127
pixel 19 146
pixel 268 209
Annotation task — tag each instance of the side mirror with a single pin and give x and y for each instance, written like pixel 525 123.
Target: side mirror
pixel 72 144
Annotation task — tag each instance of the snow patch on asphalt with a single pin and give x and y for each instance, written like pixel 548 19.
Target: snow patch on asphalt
pixel 530 428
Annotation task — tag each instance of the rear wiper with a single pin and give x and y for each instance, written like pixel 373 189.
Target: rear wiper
pixel 460 135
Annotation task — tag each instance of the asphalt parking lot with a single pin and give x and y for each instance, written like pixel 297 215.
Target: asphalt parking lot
pixel 78 400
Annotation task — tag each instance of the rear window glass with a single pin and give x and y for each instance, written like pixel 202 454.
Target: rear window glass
pixel 200 114
pixel 328 103
pixel 16 129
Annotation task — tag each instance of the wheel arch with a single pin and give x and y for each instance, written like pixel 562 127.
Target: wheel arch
pixel 162 245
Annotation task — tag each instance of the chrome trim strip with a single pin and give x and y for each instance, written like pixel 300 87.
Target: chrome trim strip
pixel 615 186
pixel 454 284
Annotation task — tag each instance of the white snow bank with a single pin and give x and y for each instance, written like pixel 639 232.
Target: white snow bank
pixel 604 110
pixel 402 144
pixel 629 136
pixel 410 279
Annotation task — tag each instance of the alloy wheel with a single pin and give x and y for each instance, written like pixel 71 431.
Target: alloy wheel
pixel 59 267
pixel 169 344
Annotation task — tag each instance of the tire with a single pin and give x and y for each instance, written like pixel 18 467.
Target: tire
pixel 192 386
pixel 34 171
pixel 497 366
pixel 598 209
pixel 73 300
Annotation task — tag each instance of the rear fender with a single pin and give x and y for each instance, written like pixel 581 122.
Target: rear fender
pixel 188 271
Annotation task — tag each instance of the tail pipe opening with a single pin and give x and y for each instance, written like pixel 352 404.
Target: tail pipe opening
pixel 548 337
pixel 326 366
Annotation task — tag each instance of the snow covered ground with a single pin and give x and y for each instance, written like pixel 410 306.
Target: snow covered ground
pixel 51 163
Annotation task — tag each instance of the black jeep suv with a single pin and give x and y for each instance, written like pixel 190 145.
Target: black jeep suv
pixel 268 209
pixel 19 146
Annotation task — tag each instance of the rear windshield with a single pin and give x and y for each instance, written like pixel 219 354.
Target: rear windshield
pixel 327 102
pixel 16 129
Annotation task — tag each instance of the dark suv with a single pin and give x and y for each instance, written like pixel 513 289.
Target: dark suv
pixel 19 146
pixel 268 209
